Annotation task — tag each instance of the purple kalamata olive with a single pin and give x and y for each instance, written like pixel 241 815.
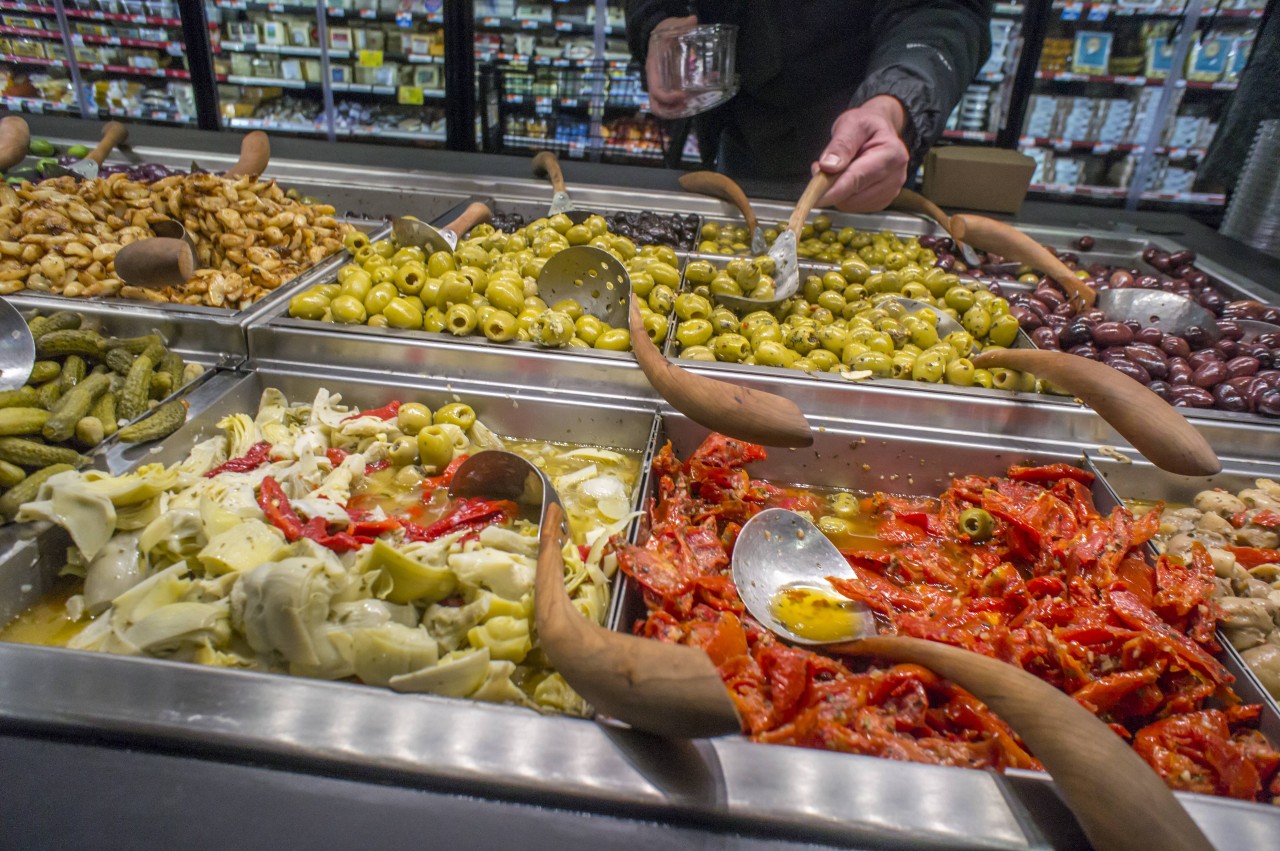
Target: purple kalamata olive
pixel 1209 374
pixel 1230 329
pixel 1026 317
pixel 1227 348
pixel 945 262
pixel 1161 389
pixel 1056 322
pixel 1098 270
pixel 1200 358
pixel 1196 278
pixel 1051 297
pixel 1157 365
pixel 1175 347
pixel 1180 371
pixel 1182 258
pixel 1192 397
pixel 1269 403
pixel 1271 314
pixel 1228 398
pixel 1112 334
pixel 1242 366
pixel 1085 351
pixel 1197 337
pixel 1085 243
pixel 1121 279
pixel 1063 309
pixel 1211 300
pixel 1244 309
pixel 1045 338
pixel 1068 257
pixel 1271 339
pixel 1133 325
pixel 1181 271
pixel 1160 262
pixel 1093 316
pixel 1147 282
pixel 1130 369
pixel 996 290
pixel 1146 348
pixel 1151 336
pixel 1253 350
pixel 928 241
pixel 1148 253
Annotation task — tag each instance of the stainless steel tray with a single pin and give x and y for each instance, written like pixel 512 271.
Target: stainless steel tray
pixel 901 461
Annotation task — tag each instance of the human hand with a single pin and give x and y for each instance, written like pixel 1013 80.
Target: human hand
pixel 664 103
pixel 867 153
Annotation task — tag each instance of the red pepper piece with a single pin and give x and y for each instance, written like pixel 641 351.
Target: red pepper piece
pixel 386 412
pixel 444 479
pixel 364 526
pixel 370 469
pixel 1050 473
pixel 275 505
pixel 1266 518
pixel 336 456
pixel 472 513
pixel 317 529
pixel 258 454
pixel 1249 557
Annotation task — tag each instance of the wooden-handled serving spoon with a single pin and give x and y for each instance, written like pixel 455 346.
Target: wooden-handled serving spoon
pixel 725 188
pixel 1120 802
pixel 15 137
pixel 732 410
pixel 1141 417
pixel 915 203
pixel 999 238
pixel 155 263
pixel 255 153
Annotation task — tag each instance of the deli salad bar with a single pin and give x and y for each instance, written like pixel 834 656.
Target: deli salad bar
pixel 551 489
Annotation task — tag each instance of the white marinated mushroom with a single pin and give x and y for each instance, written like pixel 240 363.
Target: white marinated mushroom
pixel 1218 501
pixel 1264 661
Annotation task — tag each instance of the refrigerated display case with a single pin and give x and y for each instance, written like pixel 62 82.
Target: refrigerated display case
pixel 354 68
pixel 1127 97
pixel 33 58
pixel 985 107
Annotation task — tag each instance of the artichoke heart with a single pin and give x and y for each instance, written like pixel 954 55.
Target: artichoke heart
pixel 241 549
pixel 411 580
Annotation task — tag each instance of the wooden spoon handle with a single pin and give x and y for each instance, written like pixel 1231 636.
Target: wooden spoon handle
pixel 730 409
pixel 666 689
pixel 818 186
pixel 475 213
pixel 15 136
pixel 113 133
pixel 155 263
pixel 546 164
pixel 255 152
pixel 719 186
pixel 1141 417
pixel 1118 799
pixel 916 204
pixel 999 238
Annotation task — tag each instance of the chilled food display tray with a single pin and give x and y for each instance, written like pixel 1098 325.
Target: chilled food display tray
pixel 730 782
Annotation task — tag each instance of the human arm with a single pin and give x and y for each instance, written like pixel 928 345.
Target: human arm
pixel 925 55
pixel 644 18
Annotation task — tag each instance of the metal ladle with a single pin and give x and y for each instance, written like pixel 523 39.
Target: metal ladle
pixel 17 348
pixel 666 689
pixel 409 231
pixel 1120 802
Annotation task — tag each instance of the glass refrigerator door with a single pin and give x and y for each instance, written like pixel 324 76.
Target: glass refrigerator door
pixel 984 106
pixel 267 58
pixel 131 56
pixel 387 66
pixel 33 59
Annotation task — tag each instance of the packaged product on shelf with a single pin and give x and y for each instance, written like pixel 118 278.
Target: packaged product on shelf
pixel 1159 58
pixel 1092 52
pixel 1240 50
pixel 1207 61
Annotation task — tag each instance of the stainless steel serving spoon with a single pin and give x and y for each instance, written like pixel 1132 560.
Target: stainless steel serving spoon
pixel 1118 800
pixel 17 348
pixel 410 231
pixel 667 689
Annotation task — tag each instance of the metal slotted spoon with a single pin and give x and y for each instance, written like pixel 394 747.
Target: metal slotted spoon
pixel 17 348
pixel 590 276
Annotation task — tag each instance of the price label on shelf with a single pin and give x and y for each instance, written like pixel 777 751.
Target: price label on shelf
pixel 1103 148
pixel 370 59
pixel 1071 11
pixel 337 11
pixel 1177 153
pixel 1099 11
pixel 404 19
pixel 369 14
pixel 528 25
pixel 409 95
pixel 490 22
pixel 275 7
pixel 1061 144
pixel 564 26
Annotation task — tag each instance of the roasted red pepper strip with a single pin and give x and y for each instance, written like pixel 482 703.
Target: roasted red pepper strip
pixel 470 513
pixel 275 505
pixel 386 412
pixel 370 469
pixel 1248 557
pixel 444 479
pixel 335 455
pixel 258 454
pixel 317 529
pixel 1050 473
pixel 364 526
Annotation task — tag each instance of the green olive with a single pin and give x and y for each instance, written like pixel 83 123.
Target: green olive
pixel 614 340
pixel 413 417
pixel 1004 330
pixel 656 325
pixel 578 235
pixel 801 339
pixel 641 284
pixel 570 307
pixel 699 272
pixel 460 319
pixel 587 328
pixel 348 310
pixel 384 248
pixel 455 288
pixel 691 306
pixel 410 278
pixel 833 526
pixel 552 329
pixel 665 274
pixel 505 295
pixel 960 372
pixel 725 322
pixel 694 332
pixel 435 448
pixel 959 298
pixel 379 297
pixel 877 363
pixel 731 348
pixel 977 524
pixel 833 338
pixel 976 321
pixel 308 305
pixel 408 254
pixel 1006 379
pixel 455 413
pixel 433 319
pixel 845 505
pixel 982 378
pixel 440 262
pixel 823 359
pixel 773 353
pixel 698 353
pixel 929 367
pixel 661 299
pixel 499 325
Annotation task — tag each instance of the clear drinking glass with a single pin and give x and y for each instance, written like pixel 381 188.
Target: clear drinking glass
pixel 698 62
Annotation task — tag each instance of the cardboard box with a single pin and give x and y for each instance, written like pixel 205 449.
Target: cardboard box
pixel 970 178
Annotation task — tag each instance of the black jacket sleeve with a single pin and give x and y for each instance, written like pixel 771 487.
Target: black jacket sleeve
pixel 925 55
pixel 644 15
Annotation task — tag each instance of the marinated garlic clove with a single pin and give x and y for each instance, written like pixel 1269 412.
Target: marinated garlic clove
pixel 1223 562
pixel 1264 661
pixel 1219 502
pixel 1258 498
pixel 1253 536
pixel 1215 524
pixel 1270 487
